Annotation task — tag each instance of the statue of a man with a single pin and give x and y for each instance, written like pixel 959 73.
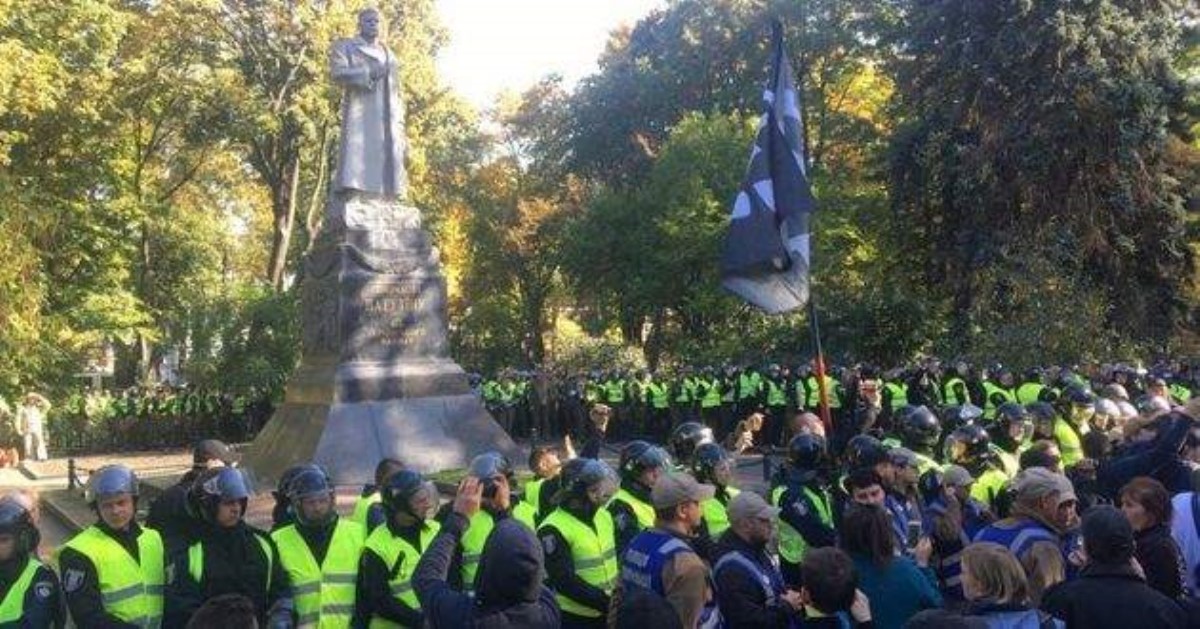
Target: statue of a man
pixel 371 158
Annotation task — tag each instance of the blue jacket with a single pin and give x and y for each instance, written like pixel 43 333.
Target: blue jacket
pixel 1014 617
pixel 897 590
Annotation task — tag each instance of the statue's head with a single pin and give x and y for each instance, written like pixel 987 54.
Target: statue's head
pixel 368 23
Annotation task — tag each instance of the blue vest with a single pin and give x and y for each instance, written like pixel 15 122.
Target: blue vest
pixel 771 581
pixel 1018 535
pixel 900 519
pixel 949 565
pixel 642 566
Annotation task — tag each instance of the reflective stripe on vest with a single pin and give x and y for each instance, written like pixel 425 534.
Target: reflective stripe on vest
pixel 324 594
pixel 13 606
pixel 196 560
pixel 642 510
pixel 989 405
pixel 593 553
pixel 814 392
pixel 401 560
pixel 792 545
pixel 472 543
pixel 716 517
pixel 130 590
pixel 362 508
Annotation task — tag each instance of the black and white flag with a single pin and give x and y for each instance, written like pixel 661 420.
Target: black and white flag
pixel 766 255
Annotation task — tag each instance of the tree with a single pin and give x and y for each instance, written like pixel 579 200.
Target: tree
pixel 1037 136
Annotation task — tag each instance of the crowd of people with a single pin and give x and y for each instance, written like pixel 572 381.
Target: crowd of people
pixel 137 418
pixel 543 404
pixel 1073 504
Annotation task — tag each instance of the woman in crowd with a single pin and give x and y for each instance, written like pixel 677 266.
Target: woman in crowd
pixel 1147 506
pixel 994 583
pixel 897 587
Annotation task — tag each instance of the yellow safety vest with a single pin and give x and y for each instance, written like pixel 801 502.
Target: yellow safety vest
pixel 132 591
pixel 989 405
pixel 324 594
pixel 472 543
pixel 814 392
pixel 362 507
pixel 401 558
pixel 792 545
pixel 1029 392
pixel 524 513
pixel 641 509
pixel 196 560
pixel 950 396
pixel 989 485
pixel 715 514
pixel 12 608
pixel 1069 445
pixel 593 553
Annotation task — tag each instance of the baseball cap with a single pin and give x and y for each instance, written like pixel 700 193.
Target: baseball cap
pixel 674 488
pixel 903 457
pixel 957 476
pixel 748 504
pixel 1036 483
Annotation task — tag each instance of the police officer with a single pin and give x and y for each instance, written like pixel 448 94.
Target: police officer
pixel 320 553
pixel 1079 406
pixel 366 514
pixel 686 438
pixel 1033 389
pixel 955 391
pixel 806 509
pixel 495 472
pixel 1012 431
pixel 231 557
pixel 580 544
pixel 385 594
pixel 169 513
pixel 919 431
pixel 711 464
pixel 997 391
pixel 282 513
pixel 971 447
pixel 113 571
pixel 640 466
pixel 30 597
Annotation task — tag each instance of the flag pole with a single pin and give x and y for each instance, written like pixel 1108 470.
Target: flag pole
pixel 819 366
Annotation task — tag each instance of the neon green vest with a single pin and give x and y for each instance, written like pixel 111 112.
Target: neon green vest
pixel 132 591
pixel 776 394
pixel 12 608
pixel 593 553
pixel 524 513
pixel 749 385
pixel 712 396
pixel 615 391
pixel 533 492
pixel 814 393
pixel 642 510
pixel 990 390
pixel 950 394
pixel 196 560
pixel 659 395
pixel 1069 445
pixel 472 543
pixel 362 507
pixel 324 594
pixel 1029 392
pixel 898 392
pixel 401 557
pixel 988 486
pixel 715 515
pixel 792 545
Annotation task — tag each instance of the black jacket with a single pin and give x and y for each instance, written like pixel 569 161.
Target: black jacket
pixel 82 584
pixel 1161 560
pixel 741 597
pixel 510 592
pixel 170 516
pixel 43 601
pixel 234 563
pixel 1115 597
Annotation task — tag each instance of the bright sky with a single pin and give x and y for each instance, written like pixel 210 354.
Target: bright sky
pixel 510 44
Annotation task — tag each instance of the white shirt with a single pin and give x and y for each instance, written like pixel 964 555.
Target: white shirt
pixel 1183 529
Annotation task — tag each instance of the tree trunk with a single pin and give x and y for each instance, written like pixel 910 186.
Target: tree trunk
pixel 283 205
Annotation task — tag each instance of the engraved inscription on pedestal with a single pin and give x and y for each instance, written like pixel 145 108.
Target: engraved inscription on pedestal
pixel 388 317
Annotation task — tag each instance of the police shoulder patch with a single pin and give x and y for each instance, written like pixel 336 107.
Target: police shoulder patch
pixel 42 590
pixel 549 544
pixel 72 580
pixel 801 508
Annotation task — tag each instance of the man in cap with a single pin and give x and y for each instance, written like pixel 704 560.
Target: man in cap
pixel 1042 513
pixel 661 559
pixel 1110 591
pixel 749 584
pixel 975 515
pixel 169 513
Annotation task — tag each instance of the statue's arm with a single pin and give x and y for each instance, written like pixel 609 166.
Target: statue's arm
pixel 345 72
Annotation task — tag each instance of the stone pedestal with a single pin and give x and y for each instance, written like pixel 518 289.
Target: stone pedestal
pixel 375 379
